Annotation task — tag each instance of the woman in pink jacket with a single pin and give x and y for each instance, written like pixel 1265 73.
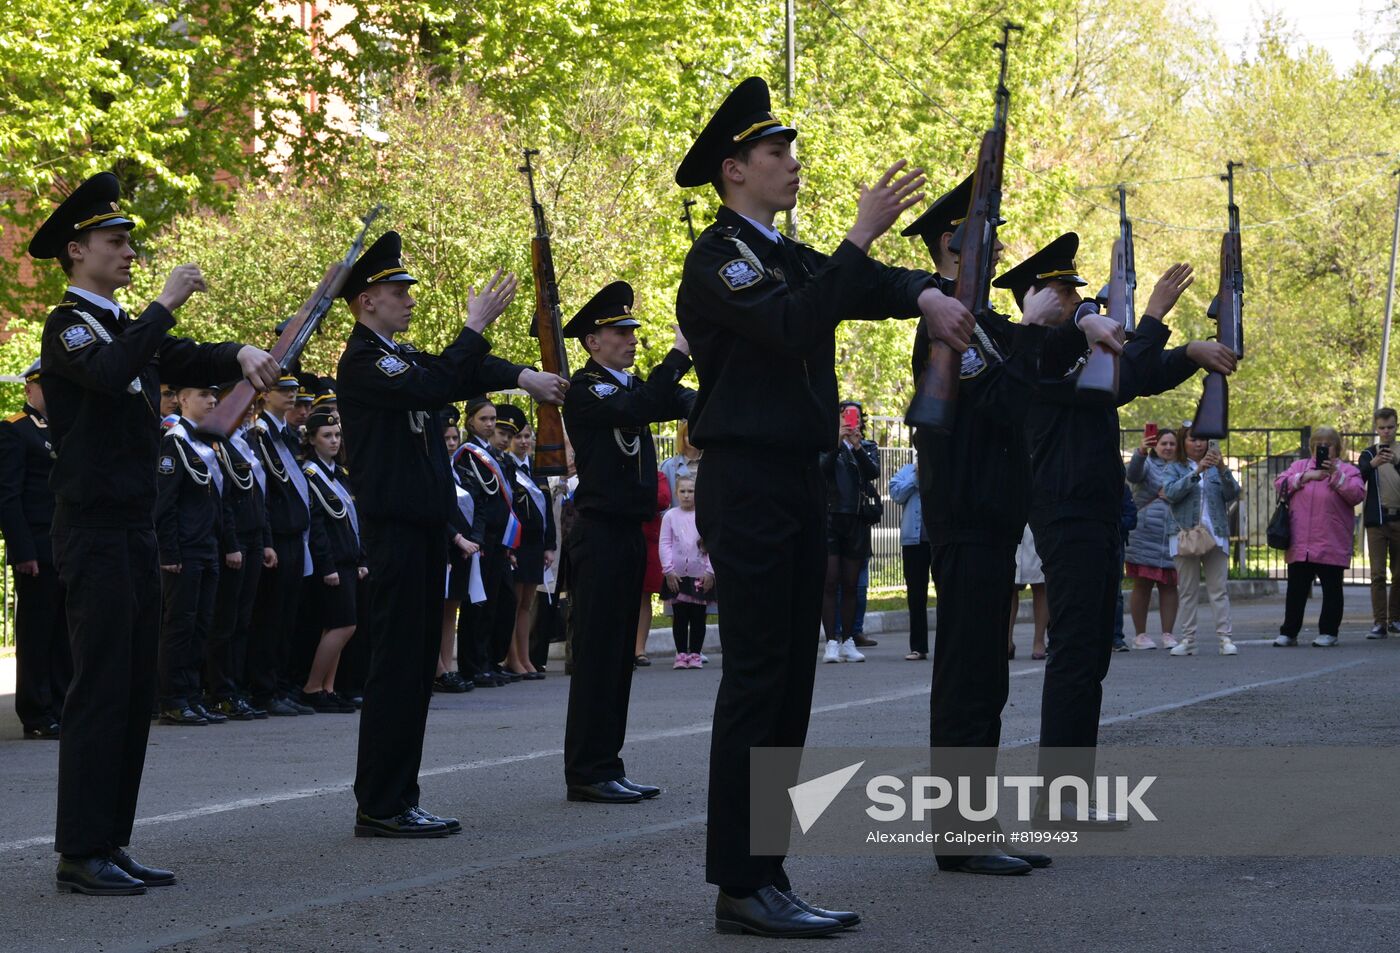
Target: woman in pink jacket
pixel 1323 491
pixel 689 575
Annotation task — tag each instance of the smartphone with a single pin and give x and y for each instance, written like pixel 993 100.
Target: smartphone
pixel 1149 430
pixel 850 418
pixel 1323 451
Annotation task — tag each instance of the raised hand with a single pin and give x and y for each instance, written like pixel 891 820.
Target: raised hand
pixel 491 302
pixel 260 367
pixel 947 319
pixel 184 281
pixel 1043 306
pixel 681 343
pixel 1100 329
pixel 1213 356
pixel 544 387
pixel 882 204
pixel 1169 288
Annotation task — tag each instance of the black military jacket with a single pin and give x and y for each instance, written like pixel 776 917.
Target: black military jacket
pixel 389 399
pixel 335 540
pixel 1077 464
pixel 26 502
pixel 608 427
pixel 244 496
pixel 287 501
pixel 192 517
pixel 106 436
pixel 761 321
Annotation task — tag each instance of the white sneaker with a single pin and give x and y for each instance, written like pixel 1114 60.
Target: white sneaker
pixel 1286 641
pixel 1168 640
pixel 1228 647
pixel 848 651
pixel 831 651
pixel 1143 641
pixel 1325 641
pixel 1187 646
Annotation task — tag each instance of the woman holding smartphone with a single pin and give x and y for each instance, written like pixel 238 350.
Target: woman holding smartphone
pixel 852 463
pixel 1322 491
pixel 1148 557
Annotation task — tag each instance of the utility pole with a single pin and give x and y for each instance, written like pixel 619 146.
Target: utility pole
pixel 791 72
pixel 1389 303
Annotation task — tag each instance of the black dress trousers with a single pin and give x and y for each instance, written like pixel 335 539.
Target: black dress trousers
pixel 407 567
pixel 43 662
pixel 761 515
pixel 188 601
pixel 607 561
pixel 274 615
pixel 114 606
pixel 1081 560
pixel 226 652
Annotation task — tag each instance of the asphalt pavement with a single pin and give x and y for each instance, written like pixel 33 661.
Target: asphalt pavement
pixel 256 820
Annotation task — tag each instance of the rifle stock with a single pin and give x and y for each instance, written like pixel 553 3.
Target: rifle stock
pixel 233 406
pixel 551 458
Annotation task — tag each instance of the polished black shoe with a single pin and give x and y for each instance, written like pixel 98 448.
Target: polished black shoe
pixel 325 703
pixel 213 717
pixel 510 676
pixel 150 876
pixel 235 709
pixel 1035 860
pixel 343 705
pixel 645 790
pixel 297 705
pixel 96 877
pixel 534 676
pixel 846 918
pixel 484 680
pixel 1073 819
pixel 181 716
pixel 453 825
pixel 998 865
pixel 276 707
pixel 769 912
pixel 410 823
pixel 448 685
pixel 603 792
pixel 47 732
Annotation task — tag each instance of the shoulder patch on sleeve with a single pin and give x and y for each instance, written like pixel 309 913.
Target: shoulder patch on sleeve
pixel 973 363
pixel 601 390
pixel 739 274
pixel 76 338
pixel 166 465
pixel 392 365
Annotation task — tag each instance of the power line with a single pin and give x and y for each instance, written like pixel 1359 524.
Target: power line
pixel 1073 192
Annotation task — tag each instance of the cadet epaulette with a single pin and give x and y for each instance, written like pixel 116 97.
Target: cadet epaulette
pixel 16 418
pixel 309 469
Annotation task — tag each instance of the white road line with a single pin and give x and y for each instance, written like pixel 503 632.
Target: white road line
pixel 698 728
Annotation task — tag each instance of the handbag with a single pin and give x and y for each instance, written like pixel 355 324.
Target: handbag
pixel 1280 533
pixel 871 507
pixel 1196 541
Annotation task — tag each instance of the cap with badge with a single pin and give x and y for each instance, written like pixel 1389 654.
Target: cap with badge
pixel 31 373
pixel 325 392
pixel 609 308
pixel 288 381
pixel 92 205
pixel 944 214
pixel 511 418
pixel 1054 262
pixel 306 388
pixel 381 262
pixel 745 116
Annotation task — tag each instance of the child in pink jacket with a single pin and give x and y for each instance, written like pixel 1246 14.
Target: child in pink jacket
pixel 689 575
pixel 1322 501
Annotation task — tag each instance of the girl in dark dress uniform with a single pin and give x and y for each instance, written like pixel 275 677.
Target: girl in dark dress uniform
pixel 537 545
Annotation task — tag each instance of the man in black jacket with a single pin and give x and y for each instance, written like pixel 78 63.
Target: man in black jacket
pixel 1380 468
pixel 103 400
pixel 390 394
pixel 1076 495
pixel 43 665
pixel 607 413
pixel 760 313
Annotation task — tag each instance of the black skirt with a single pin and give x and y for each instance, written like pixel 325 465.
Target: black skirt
pixel 529 564
pixel 338 602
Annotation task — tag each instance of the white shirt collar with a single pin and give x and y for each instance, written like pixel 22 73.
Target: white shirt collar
pixel 96 299
pixel 623 378
pixel 388 343
pixel 278 425
pixel 767 231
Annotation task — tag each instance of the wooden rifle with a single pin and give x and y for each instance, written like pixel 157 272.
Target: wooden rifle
pixel 548 326
pixel 1213 412
pixel 233 406
pixel 935 403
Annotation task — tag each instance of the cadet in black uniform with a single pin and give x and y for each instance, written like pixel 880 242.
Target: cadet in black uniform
pixel 279 590
pixel 481 471
pixel 975 486
pixel 389 396
pixel 1076 496
pixel 226 654
pixel 607 413
pixel 194 531
pixel 103 400
pixel 43 665
pixel 760 313
pixel 538 544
